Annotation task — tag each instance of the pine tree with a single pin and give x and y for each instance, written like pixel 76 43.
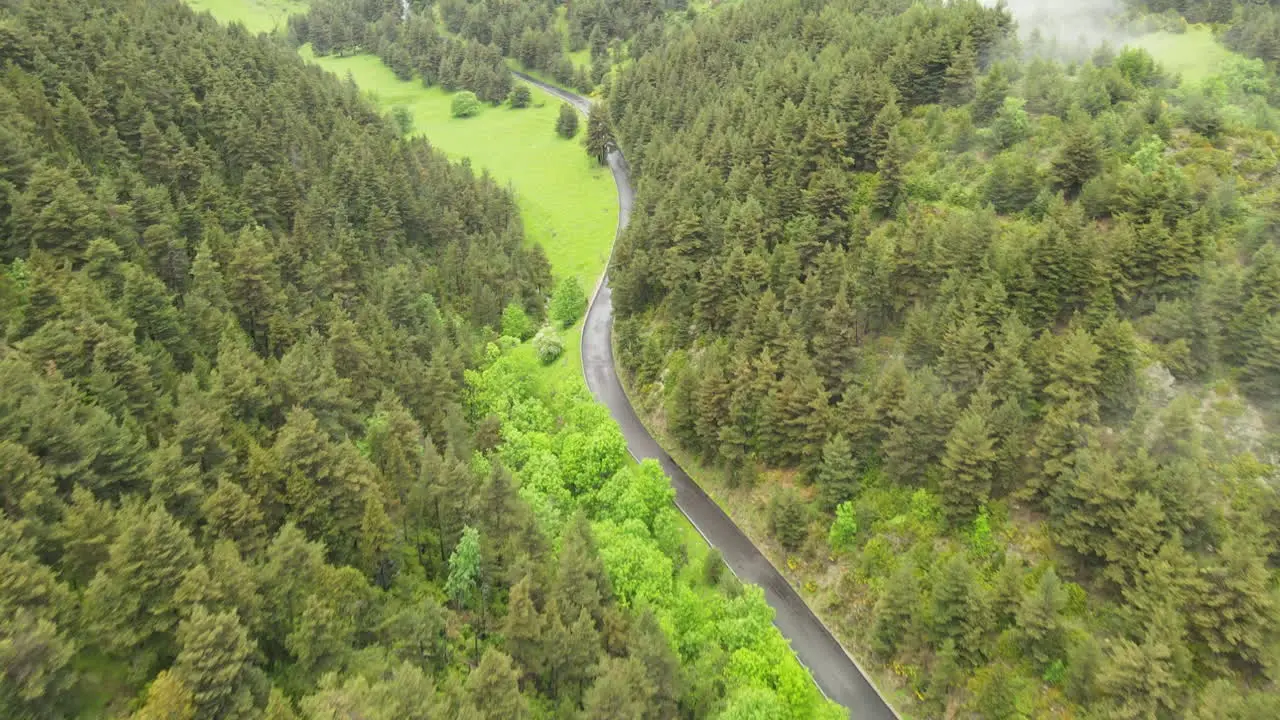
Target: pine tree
pixel 464 569
pixel 1079 157
pixel 959 608
pixel 663 681
pixel 599 141
pixel 130 602
pixel 1040 619
pixel 837 475
pixel 890 167
pixel 893 614
pixel 960 75
pixel 493 689
pixel 580 584
pixel 167 699
pixel 967 466
pixel 1262 366
pixel 215 663
pixel 1236 613
pixel 617 693
pixel 964 354
pixel 523 628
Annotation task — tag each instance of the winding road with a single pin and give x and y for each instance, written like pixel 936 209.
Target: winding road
pixel 836 672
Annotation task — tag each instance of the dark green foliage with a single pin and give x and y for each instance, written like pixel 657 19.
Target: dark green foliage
pixel 411 45
pixel 567 121
pixel 599 140
pixel 789 519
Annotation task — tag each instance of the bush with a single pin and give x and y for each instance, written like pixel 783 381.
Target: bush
pixel 548 344
pixel 568 302
pixel 520 96
pixel 788 519
pixel 516 322
pixel 465 104
pixel 712 567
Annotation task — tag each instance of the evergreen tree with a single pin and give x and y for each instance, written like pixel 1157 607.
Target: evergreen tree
pixel 130 602
pixel 894 611
pixel 967 466
pixel 567 121
pixel 837 475
pixel 1040 619
pixel 215 663
pixel 493 689
pixel 599 140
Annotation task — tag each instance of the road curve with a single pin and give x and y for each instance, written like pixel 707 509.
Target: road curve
pixel 835 671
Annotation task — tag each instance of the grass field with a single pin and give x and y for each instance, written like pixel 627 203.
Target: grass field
pixel 1195 54
pixel 256 15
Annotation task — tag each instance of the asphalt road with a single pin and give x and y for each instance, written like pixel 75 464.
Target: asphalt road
pixel 835 671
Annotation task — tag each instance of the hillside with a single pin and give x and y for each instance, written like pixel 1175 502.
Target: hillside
pixel 982 341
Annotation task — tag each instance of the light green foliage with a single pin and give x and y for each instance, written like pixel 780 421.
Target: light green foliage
pixel 516 322
pixel 637 492
pixel 1012 125
pixel 568 302
pixel 256 15
pixel 464 568
pixel 844 529
pixel 548 344
pixel 636 565
pixel 465 104
pixel 633 532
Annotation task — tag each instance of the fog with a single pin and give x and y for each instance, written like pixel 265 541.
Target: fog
pixel 1070 25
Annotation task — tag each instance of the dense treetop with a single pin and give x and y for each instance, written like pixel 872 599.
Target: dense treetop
pixel 1017 319
pixel 255 457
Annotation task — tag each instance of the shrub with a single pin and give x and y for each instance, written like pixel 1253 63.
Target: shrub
pixel 712 567
pixel 520 96
pixel 567 123
pixel 548 344
pixel 465 104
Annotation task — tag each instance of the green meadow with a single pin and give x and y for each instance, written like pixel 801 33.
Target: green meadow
pixel 256 15
pixel 1195 54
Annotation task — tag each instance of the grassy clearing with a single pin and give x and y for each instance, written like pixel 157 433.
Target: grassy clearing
pixel 256 15
pixel 1195 54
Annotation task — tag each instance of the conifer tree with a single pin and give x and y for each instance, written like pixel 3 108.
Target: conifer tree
pixel 599 140
pixel 215 663
pixel 967 466
pixel 567 121
pixel 837 475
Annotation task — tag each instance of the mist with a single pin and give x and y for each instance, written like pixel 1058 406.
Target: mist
pixel 1069 26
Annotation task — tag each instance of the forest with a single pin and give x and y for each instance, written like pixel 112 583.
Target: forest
pixel 269 446
pixel 990 337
